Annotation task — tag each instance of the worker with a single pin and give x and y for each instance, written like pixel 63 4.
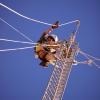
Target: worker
pixel 47 53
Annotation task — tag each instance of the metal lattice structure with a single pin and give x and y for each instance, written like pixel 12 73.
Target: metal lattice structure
pixel 60 74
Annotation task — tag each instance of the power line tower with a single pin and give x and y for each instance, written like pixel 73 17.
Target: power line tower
pixel 61 71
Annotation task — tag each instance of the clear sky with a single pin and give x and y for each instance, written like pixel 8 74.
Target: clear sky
pixel 21 77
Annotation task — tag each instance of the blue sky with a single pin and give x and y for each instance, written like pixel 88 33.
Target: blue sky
pixel 21 77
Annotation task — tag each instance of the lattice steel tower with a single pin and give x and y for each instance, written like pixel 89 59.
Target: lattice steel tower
pixel 58 81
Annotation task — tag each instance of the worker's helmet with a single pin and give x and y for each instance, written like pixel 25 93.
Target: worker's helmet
pixel 55 37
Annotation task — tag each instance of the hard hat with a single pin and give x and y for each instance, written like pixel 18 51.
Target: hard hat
pixel 55 37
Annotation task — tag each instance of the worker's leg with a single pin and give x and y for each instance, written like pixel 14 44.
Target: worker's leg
pixel 50 58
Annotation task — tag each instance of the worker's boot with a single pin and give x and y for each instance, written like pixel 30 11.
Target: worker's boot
pixel 44 64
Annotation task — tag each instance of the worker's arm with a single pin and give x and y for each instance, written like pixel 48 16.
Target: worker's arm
pixel 54 26
pixel 46 33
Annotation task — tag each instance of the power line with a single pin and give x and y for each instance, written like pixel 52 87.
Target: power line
pixel 7 40
pixel 34 20
pixel 15 49
pixel 22 34
pixel 23 15
pixel 87 55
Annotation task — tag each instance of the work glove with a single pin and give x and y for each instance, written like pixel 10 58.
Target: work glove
pixel 55 25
